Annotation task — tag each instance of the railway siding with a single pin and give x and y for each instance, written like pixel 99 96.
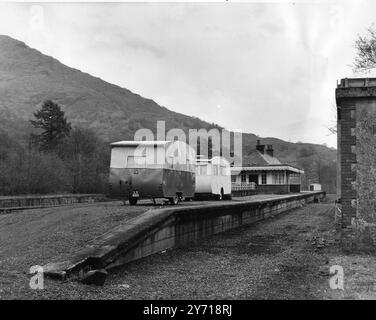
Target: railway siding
pixel 160 229
pixel 8 204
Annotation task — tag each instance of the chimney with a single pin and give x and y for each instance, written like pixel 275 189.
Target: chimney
pixel 269 150
pixel 260 147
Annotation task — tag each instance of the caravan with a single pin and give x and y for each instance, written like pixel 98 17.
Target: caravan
pixel 152 169
pixel 213 178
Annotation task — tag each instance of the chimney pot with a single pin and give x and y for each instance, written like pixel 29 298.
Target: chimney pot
pixel 260 147
pixel 269 150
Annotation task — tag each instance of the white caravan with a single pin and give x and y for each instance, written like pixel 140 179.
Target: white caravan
pixel 213 178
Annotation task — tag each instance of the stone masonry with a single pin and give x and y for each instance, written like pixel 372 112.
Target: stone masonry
pixel 356 129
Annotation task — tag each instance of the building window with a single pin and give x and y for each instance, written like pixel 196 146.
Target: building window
pixel 294 178
pixel 233 178
pixel 243 177
pixel 263 177
pixel 278 178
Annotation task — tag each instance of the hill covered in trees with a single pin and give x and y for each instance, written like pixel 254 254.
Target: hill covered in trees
pixel 109 112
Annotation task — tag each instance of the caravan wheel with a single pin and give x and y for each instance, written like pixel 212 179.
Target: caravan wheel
pixel 174 200
pixel 221 195
pixel 132 201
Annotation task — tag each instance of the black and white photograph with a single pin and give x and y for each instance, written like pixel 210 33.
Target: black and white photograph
pixel 201 152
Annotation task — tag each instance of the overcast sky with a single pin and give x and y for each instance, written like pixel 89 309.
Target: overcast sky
pixel 269 69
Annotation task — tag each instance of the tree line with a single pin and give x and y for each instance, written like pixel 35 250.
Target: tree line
pixel 57 157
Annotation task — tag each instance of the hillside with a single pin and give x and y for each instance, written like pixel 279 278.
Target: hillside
pixel 28 77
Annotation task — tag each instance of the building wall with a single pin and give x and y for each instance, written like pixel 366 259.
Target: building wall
pixel 366 158
pixel 357 164
pixel 348 160
pixel 295 188
pixel 339 143
pixel 271 186
pixel 274 188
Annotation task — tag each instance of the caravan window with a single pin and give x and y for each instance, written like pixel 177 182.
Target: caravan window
pixel 215 170
pixel 201 170
pixel 136 162
pixel 118 158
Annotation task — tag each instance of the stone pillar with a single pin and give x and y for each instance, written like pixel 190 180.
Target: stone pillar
pixel 356 109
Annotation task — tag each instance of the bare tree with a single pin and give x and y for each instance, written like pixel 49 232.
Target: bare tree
pixel 332 126
pixel 365 46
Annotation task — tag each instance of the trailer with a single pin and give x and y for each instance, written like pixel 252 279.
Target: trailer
pixel 315 187
pixel 152 169
pixel 213 178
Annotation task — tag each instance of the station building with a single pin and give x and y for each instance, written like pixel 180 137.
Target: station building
pixel 263 172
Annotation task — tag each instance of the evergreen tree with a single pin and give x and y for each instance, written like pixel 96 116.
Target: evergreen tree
pixel 51 119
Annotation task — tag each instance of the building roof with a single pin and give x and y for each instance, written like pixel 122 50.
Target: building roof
pixel 263 161
pixel 256 158
pixel 276 167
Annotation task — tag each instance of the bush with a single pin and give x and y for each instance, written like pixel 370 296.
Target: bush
pixel 48 174
pixel 78 166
